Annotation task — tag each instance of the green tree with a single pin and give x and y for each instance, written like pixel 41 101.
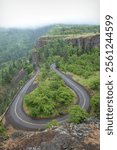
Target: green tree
pixel 95 84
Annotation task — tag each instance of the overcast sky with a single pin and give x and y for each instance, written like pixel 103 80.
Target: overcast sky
pixel 34 13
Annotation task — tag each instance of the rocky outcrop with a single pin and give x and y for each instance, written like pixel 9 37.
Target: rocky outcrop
pixel 35 59
pixel 68 136
pixel 84 42
pixel 42 41
pixel 21 75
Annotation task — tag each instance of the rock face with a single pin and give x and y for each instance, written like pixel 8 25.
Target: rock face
pixel 21 74
pixel 35 60
pixel 83 136
pixel 42 41
pixel 86 43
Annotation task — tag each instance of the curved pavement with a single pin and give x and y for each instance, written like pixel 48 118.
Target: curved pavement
pixel 17 117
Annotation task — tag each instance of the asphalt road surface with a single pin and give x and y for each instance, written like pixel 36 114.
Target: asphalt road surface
pixel 20 120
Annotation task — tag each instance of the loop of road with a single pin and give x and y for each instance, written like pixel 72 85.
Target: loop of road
pixel 20 120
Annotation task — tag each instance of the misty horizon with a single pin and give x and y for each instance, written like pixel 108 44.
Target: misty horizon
pixel 46 25
pixel 38 13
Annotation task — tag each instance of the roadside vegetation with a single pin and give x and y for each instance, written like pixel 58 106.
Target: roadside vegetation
pixel 77 114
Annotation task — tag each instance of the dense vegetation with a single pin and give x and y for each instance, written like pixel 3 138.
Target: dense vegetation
pixel 77 114
pixel 51 98
pixel 8 72
pixel 17 43
pixel 10 83
pixel 15 62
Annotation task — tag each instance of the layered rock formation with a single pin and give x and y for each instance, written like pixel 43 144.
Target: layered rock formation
pixel 84 42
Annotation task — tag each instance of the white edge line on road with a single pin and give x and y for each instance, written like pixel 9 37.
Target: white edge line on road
pixel 68 80
pixel 34 124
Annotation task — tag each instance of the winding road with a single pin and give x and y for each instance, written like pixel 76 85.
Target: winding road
pixel 20 120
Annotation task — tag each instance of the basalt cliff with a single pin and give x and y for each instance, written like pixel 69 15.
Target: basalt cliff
pixel 84 42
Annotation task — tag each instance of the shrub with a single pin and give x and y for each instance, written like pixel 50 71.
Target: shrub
pixel 77 114
pixel 53 123
pixel 95 105
pixel 64 96
pixel 95 84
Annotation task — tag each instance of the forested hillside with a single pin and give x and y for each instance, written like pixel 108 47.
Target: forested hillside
pixel 16 65
pixel 17 43
pixel 12 77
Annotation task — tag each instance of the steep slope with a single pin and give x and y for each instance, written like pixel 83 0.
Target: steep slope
pixel 84 42
pixel 17 43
